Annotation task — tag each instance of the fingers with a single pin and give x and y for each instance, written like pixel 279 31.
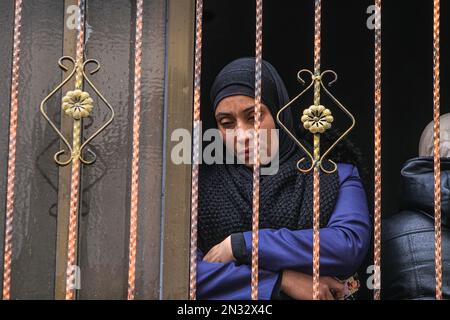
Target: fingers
pixel 212 255
pixel 297 285
pixel 327 295
pixel 338 288
pixel 325 292
pixel 216 254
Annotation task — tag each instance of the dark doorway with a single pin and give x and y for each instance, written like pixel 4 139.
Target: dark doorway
pixel 348 49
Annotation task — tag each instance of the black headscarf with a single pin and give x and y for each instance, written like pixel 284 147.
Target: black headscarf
pixel 238 78
pixel 225 191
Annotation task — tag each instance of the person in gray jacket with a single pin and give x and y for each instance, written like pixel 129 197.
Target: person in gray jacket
pixel 408 266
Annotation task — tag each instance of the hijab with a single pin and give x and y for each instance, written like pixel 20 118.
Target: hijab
pixel 225 190
pixel 238 78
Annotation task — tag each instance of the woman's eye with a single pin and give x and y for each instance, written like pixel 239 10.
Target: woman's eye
pixel 226 124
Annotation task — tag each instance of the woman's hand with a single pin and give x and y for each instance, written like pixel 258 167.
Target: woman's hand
pixel 221 252
pixel 299 286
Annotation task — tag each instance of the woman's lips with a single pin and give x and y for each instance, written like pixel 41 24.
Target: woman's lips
pixel 245 153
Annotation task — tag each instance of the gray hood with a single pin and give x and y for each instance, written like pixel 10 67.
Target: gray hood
pixel 417 187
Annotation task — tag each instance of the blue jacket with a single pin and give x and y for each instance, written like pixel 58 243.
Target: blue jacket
pixel 343 246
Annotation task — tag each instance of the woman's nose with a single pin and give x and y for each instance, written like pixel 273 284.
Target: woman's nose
pixel 244 131
pixel 244 136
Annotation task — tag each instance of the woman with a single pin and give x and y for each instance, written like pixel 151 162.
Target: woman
pixel 285 237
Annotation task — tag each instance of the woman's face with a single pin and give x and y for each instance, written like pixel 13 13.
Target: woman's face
pixel 235 120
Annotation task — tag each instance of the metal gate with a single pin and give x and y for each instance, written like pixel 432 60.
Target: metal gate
pixel 133 179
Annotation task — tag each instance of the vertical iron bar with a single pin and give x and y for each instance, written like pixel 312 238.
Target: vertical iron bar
pixel 256 162
pixel 437 163
pixel 316 181
pixel 12 152
pixel 195 151
pixel 135 160
pixel 71 269
pixel 377 155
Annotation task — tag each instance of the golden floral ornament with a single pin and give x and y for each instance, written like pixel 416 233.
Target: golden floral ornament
pixel 77 104
pixel 317 119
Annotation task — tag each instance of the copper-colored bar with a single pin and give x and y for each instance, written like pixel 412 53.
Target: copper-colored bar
pixel 316 219
pixel 317 35
pixel 73 223
pixel 135 160
pixel 195 151
pixel 437 162
pixel 256 163
pixel 377 153
pixel 75 173
pixel 316 180
pixel 12 152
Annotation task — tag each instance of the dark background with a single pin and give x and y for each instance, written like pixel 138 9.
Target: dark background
pixel 348 49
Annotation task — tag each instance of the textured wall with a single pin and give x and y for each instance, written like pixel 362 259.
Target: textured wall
pixel 103 240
